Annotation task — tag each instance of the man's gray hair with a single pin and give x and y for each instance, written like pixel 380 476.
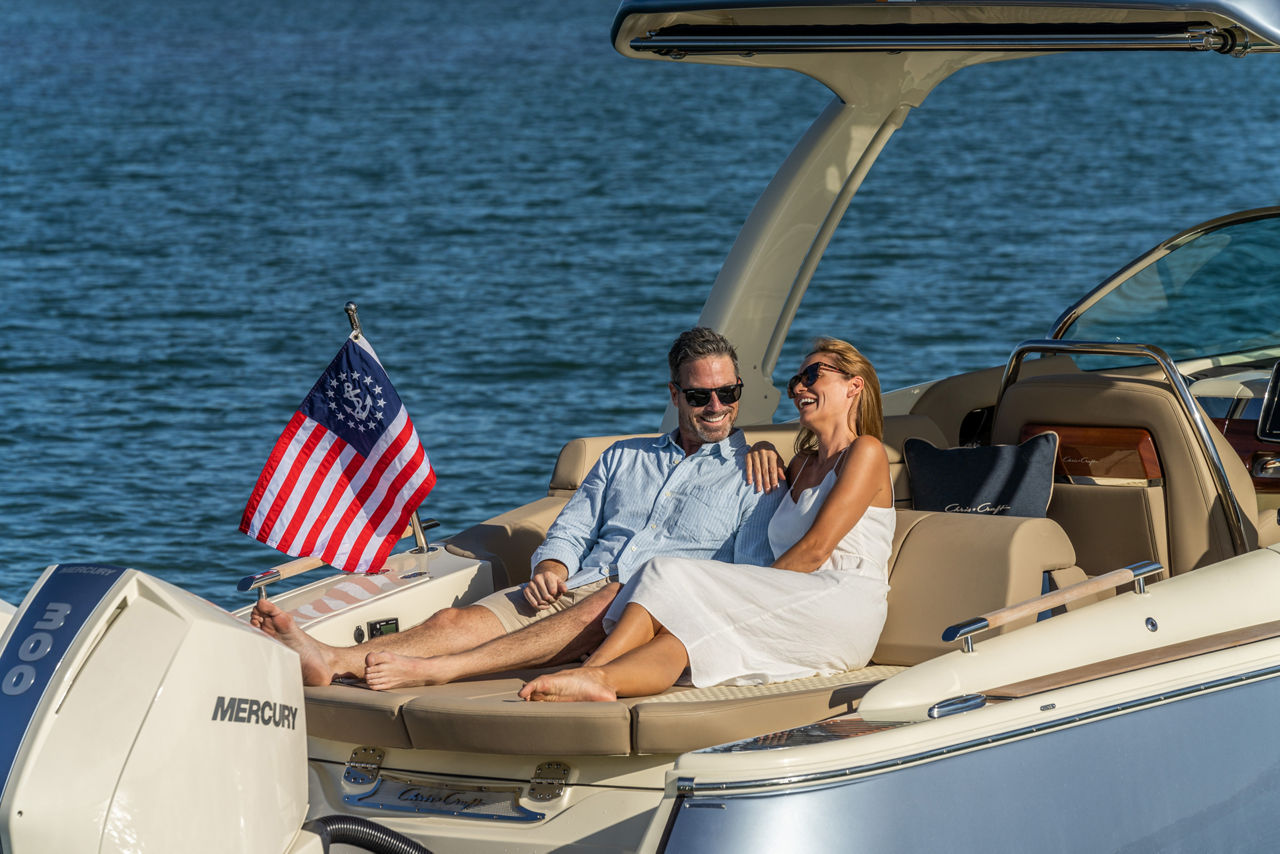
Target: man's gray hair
pixel 699 342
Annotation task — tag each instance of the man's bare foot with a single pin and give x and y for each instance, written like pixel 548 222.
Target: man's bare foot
pixel 569 686
pixel 383 670
pixel 272 620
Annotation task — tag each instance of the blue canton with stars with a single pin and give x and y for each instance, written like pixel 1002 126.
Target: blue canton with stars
pixel 353 398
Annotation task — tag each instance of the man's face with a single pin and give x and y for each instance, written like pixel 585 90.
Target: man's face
pixel 714 421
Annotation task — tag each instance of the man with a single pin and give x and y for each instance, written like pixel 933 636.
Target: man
pixel 684 493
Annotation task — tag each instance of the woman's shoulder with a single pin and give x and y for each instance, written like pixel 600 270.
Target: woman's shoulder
pixel 866 440
pixel 864 451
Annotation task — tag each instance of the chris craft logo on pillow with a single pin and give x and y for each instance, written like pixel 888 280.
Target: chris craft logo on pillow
pixel 998 480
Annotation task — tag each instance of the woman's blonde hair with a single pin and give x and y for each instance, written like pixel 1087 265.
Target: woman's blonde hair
pixel 867 417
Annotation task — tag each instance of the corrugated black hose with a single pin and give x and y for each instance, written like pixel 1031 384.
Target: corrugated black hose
pixel 362 833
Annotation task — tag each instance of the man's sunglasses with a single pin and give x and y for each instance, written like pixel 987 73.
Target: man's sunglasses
pixel 727 394
pixel 809 375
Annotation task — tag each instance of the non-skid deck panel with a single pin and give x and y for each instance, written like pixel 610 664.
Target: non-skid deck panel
pixel 487 716
pixel 678 722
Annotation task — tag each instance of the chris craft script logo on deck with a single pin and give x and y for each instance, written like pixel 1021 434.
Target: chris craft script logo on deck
pixel 454 800
pixel 242 710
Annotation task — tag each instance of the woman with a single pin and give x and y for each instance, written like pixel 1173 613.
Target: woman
pixel 817 610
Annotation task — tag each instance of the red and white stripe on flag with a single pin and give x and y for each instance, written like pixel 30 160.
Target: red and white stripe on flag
pixel 346 473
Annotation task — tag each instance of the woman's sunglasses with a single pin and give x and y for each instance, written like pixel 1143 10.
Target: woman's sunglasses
pixel 726 394
pixel 809 375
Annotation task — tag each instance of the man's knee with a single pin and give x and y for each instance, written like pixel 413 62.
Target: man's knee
pixel 461 619
pixel 606 593
pixel 591 609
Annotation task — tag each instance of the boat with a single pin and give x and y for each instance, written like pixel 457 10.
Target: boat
pixel 1098 678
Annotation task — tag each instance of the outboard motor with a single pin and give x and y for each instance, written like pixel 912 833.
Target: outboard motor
pixel 135 716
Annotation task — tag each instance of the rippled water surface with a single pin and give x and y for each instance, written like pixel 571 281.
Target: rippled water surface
pixel 191 191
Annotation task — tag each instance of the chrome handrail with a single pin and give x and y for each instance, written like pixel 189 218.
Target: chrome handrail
pixel 1235 515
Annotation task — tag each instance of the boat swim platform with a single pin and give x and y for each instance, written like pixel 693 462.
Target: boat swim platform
pixel 486 715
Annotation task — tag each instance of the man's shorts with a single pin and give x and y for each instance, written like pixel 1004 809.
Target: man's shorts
pixel 515 612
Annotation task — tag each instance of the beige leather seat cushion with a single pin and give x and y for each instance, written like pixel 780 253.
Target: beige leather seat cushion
pixel 508 540
pixel 487 716
pixel 949 567
pixel 946 567
pixel 358 715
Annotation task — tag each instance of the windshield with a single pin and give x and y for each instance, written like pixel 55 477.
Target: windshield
pixel 1212 295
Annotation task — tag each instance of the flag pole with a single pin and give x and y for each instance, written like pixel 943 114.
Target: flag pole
pixel 419 536
pixel 350 309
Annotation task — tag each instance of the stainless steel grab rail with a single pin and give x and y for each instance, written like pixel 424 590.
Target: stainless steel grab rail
pixel 1231 505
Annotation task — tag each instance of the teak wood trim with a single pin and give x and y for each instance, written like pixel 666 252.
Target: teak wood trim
pixel 1135 661
pixel 289 569
pixel 1051 600
pixel 1135 445
pixel 297 566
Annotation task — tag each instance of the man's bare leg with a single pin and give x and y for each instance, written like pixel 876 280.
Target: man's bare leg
pixel 558 639
pixel 447 631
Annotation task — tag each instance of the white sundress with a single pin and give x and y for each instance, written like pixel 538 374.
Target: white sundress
pixel 748 625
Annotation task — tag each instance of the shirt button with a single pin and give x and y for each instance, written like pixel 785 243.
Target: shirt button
pixel 653 527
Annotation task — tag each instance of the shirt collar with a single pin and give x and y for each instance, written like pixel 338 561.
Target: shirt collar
pixel 726 448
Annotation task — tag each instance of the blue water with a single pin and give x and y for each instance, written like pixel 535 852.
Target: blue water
pixel 191 191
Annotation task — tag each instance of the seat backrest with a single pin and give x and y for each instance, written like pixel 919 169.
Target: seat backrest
pixel 1179 515
pixel 579 455
pixel 950 567
pixel 509 539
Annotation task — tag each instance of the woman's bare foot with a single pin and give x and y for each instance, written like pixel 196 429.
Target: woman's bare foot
pixel 317 668
pixel 383 670
pixel 568 686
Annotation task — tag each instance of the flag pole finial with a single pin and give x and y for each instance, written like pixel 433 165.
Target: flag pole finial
pixel 350 308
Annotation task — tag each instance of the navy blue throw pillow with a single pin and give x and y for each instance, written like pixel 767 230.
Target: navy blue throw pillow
pixel 1000 480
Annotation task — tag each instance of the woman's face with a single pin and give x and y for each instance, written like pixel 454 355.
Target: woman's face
pixel 822 393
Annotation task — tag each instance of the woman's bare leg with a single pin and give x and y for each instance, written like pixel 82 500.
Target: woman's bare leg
pixel 648 669
pixel 635 628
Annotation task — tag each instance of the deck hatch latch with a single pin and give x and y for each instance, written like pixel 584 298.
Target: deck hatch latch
pixel 548 780
pixel 364 765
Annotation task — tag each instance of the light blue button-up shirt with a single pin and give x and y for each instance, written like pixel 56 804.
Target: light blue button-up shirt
pixel 644 497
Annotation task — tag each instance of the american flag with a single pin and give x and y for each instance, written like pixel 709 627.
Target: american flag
pixel 347 473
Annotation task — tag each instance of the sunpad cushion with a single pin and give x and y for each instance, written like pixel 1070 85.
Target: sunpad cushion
pixel 998 480
pixel 489 717
pixel 358 715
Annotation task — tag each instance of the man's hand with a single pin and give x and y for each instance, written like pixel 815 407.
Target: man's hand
pixel 547 584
